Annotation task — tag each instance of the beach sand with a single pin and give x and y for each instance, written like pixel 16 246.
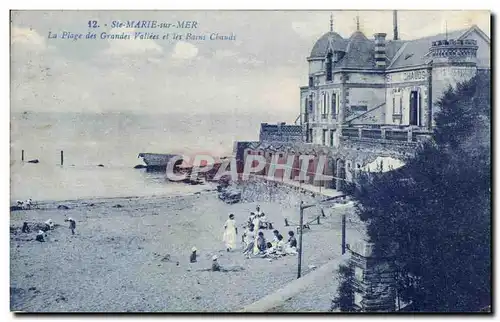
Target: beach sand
pixel 114 261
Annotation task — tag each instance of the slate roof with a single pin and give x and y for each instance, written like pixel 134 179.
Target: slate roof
pixel 413 52
pixel 400 53
pixel 360 51
pixel 321 46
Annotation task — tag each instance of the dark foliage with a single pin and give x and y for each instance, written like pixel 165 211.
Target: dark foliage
pixel 437 207
pixel 344 299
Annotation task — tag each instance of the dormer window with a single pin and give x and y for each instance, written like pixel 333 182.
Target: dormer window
pixel 329 67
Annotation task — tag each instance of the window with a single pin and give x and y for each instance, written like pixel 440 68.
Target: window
pixel 358 273
pixel 281 155
pixel 334 105
pixel 359 108
pixel 329 67
pixel 311 81
pixel 358 297
pixel 323 140
pixel 420 110
pixel 325 103
pixel 397 109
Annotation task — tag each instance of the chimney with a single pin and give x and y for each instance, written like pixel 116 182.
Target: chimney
pixel 380 57
pixel 395 23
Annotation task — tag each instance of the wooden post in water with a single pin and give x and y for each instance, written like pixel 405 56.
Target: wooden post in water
pixel 22 155
pixel 62 157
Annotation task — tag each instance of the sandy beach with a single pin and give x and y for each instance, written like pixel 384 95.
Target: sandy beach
pixel 114 261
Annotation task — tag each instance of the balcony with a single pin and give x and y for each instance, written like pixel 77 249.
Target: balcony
pixel 382 134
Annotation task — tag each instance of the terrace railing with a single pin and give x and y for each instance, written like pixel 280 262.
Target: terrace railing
pixel 384 134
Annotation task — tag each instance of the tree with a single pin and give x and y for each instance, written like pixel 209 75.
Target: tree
pixel 437 208
pixel 344 299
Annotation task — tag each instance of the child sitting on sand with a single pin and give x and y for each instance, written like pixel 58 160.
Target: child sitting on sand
pixel 192 258
pixel 290 247
pixel 40 236
pixel 49 224
pixel 217 268
pixel 260 244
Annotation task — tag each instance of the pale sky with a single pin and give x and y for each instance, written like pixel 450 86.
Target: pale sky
pixel 259 73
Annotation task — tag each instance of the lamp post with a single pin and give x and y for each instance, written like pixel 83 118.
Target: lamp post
pixel 301 223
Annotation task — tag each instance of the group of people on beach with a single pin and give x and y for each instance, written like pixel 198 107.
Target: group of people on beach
pixel 25 205
pixel 42 236
pixel 253 239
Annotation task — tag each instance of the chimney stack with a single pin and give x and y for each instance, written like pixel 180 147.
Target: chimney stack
pixel 395 23
pixel 380 56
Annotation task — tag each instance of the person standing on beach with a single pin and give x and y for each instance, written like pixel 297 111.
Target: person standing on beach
pixel 230 232
pixel 256 222
pixel 26 228
pixel 249 240
pixel 72 225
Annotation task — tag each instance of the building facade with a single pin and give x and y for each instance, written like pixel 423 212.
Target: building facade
pixel 369 98
pixel 357 82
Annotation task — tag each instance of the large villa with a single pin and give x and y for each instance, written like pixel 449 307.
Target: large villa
pixel 370 96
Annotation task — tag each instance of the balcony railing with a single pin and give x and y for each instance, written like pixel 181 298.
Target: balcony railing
pixel 396 135
pixel 382 134
pixel 371 133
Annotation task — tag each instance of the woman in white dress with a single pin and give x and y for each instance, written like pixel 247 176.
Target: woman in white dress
pixel 230 232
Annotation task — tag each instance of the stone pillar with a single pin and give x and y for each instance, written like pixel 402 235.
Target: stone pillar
pixel 429 99
pixel 374 284
pixel 339 182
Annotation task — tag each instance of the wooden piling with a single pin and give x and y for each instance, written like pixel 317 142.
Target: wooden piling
pixel 62 157
pixel 343 234
pixel 22 155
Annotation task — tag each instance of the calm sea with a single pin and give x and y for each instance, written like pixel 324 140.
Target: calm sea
pixel 113 140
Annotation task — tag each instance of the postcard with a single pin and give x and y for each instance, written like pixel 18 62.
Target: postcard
pixel 250 161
